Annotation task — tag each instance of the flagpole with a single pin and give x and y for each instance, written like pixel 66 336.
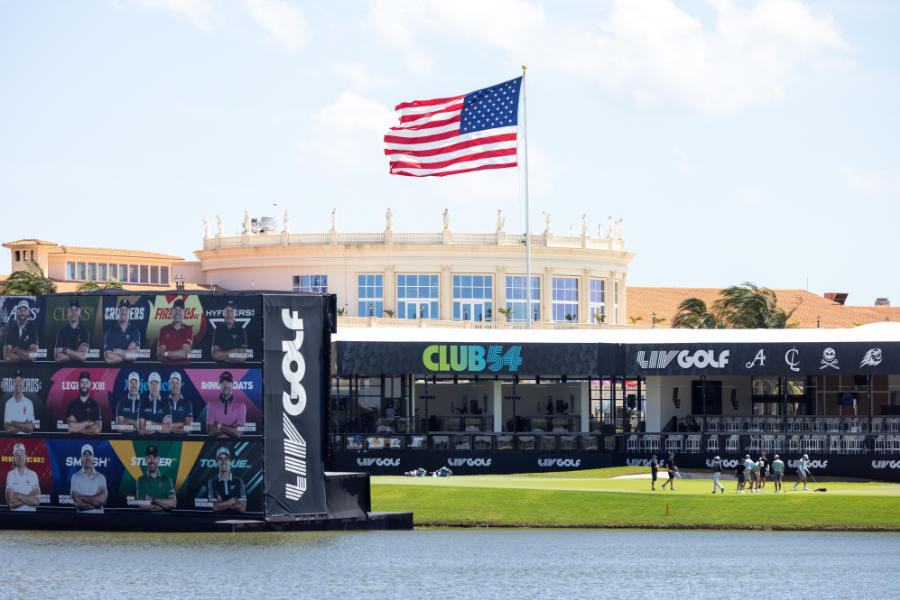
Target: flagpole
pixel 528 309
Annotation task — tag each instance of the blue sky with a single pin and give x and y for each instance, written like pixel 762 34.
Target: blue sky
pixel 738 140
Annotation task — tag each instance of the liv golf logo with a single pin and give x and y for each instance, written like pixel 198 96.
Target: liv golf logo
pixel 293 368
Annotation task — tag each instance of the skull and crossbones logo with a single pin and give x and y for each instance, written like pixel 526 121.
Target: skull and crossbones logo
pixel 829 359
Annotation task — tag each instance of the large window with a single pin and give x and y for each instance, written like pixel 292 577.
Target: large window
pixel 598 301
pixel 164 274
pixel 516 300
pixel 82 271
pixel 472 295
pixel 417 296
pixel 370 291
pixel 101 271
pixel 154 274
pixel 565 299
pixel 310 283
pixel 616 302
pixel 133 273
pixel 145 274
pixel 70 270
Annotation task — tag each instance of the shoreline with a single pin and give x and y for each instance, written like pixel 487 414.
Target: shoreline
pixel 674 526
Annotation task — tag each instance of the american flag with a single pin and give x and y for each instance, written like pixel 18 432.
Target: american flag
pixel 446 136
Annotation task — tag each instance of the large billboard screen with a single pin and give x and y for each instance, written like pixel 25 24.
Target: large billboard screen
pixel 140 402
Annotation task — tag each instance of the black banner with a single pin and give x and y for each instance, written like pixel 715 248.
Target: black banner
pixel 442 358
pixel 834 358
pixel 294 383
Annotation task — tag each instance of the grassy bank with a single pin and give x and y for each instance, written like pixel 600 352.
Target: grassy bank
pixel 595 499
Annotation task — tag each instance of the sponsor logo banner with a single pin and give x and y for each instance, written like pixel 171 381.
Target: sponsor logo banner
pixel 294 378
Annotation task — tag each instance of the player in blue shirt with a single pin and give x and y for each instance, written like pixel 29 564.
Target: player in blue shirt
pixel 128 411
pixel 123 340
pixel 180 408
pixel 154 416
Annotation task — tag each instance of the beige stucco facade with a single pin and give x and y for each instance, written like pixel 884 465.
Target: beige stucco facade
pixel 272 260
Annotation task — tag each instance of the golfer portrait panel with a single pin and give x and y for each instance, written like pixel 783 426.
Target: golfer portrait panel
pixel 21 326
pixel 74 326
pixel 235 327
pixel 155 474
pixel 26 474
pixel 23 398
pixel 228 478
pixel 124 329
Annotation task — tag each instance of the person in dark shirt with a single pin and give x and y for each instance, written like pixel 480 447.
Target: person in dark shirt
pixel 128 411
pixel 180 408
pixel 226 490
pixel 21 337
pixel 83 413
pixel 739 473
pixel 763 470
pixel 154 416
pixel 654 468
pixel 72 341
pixel 122 340
pixel 671 469
pixel 230 339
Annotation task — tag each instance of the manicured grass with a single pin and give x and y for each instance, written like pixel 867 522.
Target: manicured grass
pixel 592 499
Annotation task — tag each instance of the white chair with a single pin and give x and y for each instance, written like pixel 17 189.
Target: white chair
pixel 674 443
pixel 733 444
pixel 651 443
pixel 632 445
pixel 693 444
pixel 712 444
pixel 834 444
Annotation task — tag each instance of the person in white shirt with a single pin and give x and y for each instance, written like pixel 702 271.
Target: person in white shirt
pixel 22 487
pixel 802 471
pixel 88 487
pixel 18 416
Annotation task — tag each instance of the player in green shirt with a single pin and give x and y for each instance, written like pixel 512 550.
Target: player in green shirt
pixel 777 472
pixel 155 491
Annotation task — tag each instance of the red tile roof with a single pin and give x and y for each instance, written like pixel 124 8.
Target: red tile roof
pixel 807 307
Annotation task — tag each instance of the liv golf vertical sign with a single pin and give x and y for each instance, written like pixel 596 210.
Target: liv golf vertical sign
pixel 294 389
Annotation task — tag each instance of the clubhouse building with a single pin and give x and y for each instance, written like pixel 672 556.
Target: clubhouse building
pixel 433 364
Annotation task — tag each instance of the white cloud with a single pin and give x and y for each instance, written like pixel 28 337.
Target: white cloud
pixel 650 53
pixel 283 21
pixel 199 13
pixel 407 24
pixel 869 182
pixel 350 131
pixel 654 53
pixel 356 74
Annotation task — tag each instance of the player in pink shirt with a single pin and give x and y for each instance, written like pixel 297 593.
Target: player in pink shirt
pixel 225 415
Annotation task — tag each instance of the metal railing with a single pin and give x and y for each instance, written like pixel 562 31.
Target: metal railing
pixel 634 443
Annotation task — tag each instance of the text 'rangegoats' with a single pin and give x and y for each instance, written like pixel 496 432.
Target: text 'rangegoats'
pixel 293 368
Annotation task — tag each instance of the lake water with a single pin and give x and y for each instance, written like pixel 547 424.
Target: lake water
pixel 451 563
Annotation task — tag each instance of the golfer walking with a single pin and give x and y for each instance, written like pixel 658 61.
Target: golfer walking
pixel 654 467
pixel 671 469
pixel 717 472
pixel 802 471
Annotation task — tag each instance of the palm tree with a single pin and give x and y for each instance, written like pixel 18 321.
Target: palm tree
pixel 506 312
pixel 748 306
pixel 91 286
pixel 28 283
pixel 744 306
pixel 693 314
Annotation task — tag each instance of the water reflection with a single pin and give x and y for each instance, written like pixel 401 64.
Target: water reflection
pixel 443 563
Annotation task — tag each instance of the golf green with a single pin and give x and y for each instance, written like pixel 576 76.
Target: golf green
pixel 604 498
